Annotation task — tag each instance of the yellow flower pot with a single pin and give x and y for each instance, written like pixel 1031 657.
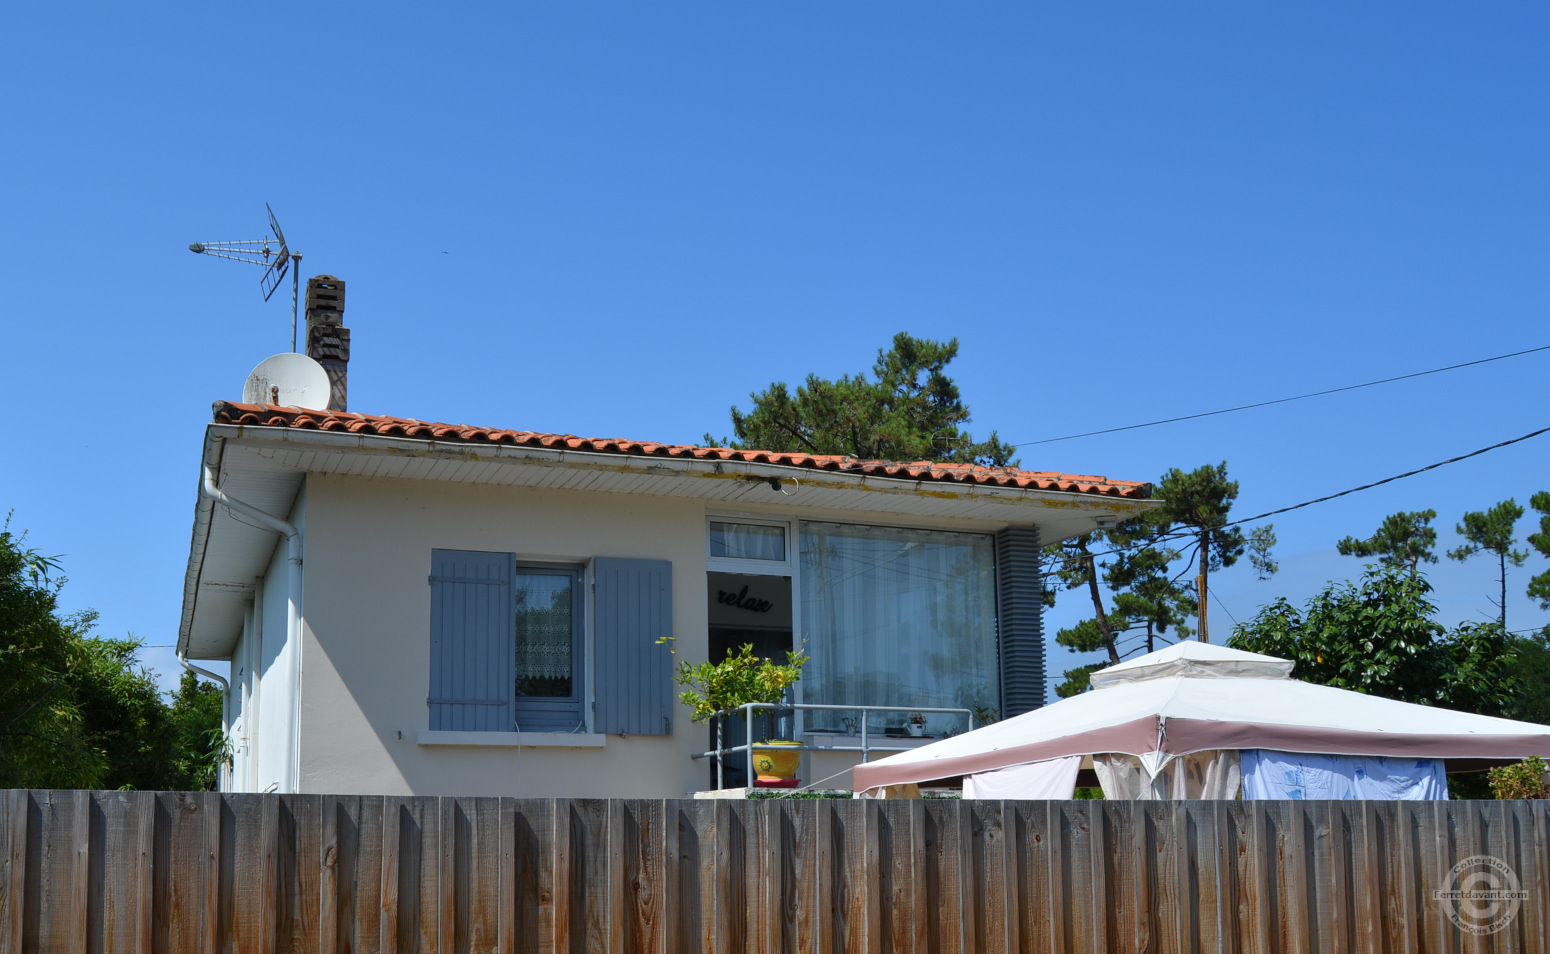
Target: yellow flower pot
pixel 777 764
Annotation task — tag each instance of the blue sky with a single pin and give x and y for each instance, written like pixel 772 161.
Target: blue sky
pixel 621 219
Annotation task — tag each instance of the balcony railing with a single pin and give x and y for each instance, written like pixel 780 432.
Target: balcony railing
pixel 864 736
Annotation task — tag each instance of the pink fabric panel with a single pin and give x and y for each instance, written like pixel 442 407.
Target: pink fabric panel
pixel 1195 735
pixel 1136 738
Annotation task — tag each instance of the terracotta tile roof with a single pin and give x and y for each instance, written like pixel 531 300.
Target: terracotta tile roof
pixel 267 415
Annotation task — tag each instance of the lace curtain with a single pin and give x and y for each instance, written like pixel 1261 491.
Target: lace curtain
pixel 545 631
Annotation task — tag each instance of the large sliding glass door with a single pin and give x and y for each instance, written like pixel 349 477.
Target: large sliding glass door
pixel 898 617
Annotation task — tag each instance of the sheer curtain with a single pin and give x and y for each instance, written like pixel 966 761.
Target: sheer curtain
pixel 747 541
pixel 900 618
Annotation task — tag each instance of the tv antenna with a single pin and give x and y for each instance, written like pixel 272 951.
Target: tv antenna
pixel 271 252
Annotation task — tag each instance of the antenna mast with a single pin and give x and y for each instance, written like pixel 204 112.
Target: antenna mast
pixel 258 252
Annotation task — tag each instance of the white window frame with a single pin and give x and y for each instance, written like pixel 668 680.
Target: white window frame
pixel 786 567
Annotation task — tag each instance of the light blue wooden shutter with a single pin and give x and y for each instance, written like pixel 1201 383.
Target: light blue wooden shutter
pixel 633 600
pixel 472 641
pixel 1020 620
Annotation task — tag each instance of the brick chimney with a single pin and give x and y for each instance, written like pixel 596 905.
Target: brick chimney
pixel 328 340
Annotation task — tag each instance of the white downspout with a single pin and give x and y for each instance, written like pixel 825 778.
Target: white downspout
pixel 291 783
pixel 225 777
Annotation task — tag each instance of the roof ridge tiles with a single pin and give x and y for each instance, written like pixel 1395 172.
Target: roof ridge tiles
pixel 270 415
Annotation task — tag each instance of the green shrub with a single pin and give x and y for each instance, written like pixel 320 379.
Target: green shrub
pixel 1525 779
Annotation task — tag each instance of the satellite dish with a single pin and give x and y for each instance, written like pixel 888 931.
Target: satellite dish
pixel 289 380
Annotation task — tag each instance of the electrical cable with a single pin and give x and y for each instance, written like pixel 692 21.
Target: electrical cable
pixel 1317 500
pixel 1389 480
pixel 1245 407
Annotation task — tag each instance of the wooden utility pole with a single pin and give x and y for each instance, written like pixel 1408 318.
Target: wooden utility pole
pixel 1205 570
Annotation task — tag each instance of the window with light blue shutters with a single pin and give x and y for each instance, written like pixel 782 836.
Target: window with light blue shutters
pixel 508 646
pixel 471 641
pixel 633 605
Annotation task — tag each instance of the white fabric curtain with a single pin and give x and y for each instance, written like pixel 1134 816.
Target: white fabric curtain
pixel 1051 778
pixel 1299 776
pixel 899 618
pixel 747 541
pixel 1199 775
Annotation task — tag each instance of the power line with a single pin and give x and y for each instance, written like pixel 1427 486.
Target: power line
pixel 1178 535
pixel 1300 397
pixel 1390 480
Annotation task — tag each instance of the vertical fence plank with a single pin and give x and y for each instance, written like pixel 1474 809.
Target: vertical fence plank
pixel 52 892
pixel 447 818
pixel 410 863
pixel 799 877
pixel 13 880
pixel 142 889
pixel 506 931
pixel 1532 831
pixel 1435 857
pixel 1093 848
pixel 110 894
pixel 301 827
pixel 644 877
pixel 535 899
pixel 591 884
pixel 674 904
pixel 1256 892
pixel 1366 879
pixel 328 875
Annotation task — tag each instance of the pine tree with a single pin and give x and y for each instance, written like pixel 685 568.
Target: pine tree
pixel 1405 539
pixel 1492 531
pixel 909 410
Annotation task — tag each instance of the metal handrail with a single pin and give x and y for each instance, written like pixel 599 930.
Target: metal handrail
pixel 748 747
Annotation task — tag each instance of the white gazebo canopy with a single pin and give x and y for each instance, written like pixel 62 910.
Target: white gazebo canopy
pixel 1197 697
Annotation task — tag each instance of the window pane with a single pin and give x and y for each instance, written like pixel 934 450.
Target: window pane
pixel 747 541
pixel 899 618
pixel 545 635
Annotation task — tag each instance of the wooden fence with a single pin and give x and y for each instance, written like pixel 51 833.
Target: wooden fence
pixel 173 872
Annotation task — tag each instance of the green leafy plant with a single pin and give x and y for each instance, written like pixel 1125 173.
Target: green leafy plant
pixel 1525 779
pixel 739 679
pixel 1379 637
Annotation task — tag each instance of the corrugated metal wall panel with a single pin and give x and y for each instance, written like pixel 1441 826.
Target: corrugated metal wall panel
pixel 472 641
pixel 633 601
pixel 1020 617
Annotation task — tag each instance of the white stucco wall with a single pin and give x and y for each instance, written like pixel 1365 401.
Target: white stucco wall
pixel 366 649
pixel 259 670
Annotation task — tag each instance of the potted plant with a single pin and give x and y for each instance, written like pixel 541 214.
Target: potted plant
pixel 741 678
pixel 777 765
pixel 917 724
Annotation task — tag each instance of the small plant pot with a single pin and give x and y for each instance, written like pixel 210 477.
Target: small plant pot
pixel 774 764
pixel 917 729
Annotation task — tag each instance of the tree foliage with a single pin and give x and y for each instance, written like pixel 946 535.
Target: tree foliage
pixel 908 410
pixel 79 711
pixel 1539 586
pixel 1404 539
pixel 1137 562
pixel 1149 605
pixel 1379 637
pixel 1492 531
pixel 1198 503
pixel 1533 677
